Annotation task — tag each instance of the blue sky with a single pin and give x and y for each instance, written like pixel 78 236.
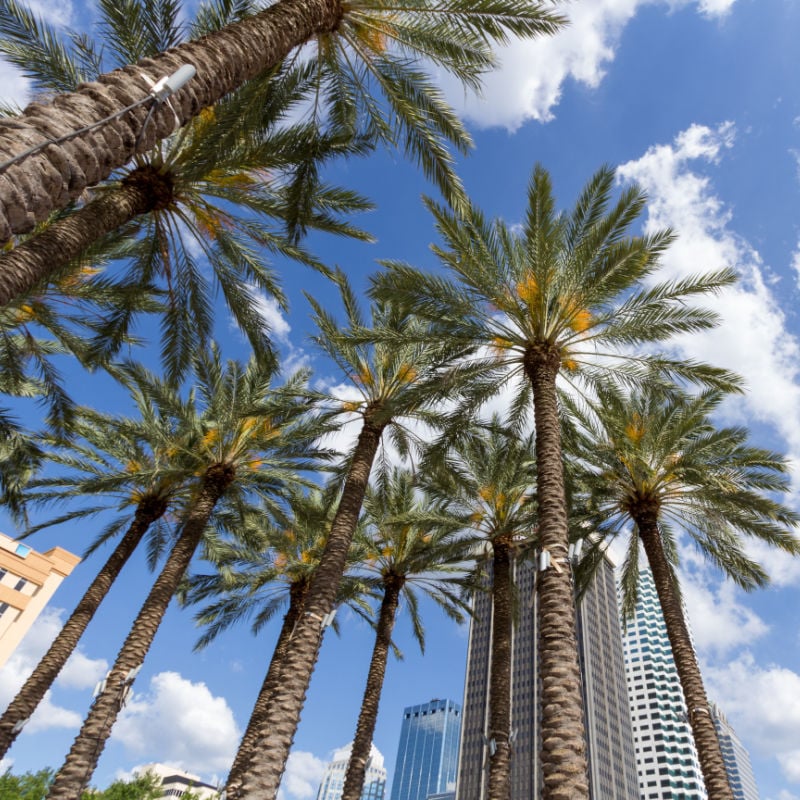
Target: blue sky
pixel 698 101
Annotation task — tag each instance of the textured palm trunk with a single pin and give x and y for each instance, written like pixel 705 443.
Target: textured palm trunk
pixel 500 676
pixel 297 602
pixel 368 716
pixel 276 732
pixel 705 733
pixel 82 759
pixel 563 757
pixel 46 671
pixel 29 264
pixel 31 189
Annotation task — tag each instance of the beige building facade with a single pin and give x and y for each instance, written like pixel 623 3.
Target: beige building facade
pixel 27 582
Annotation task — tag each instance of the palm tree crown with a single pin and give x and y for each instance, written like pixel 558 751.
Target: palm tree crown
pixel 657 454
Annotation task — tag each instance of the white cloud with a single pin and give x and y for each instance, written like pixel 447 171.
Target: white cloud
pixel 302 776
pixel 57 14
pixel 180 722
pixel 79 672
pixel 529 82
pixel 16 87
pixel 82 672
pixel 269 310
pixel 753 338
pixel 764 703
pixel 719 622
pixel 796 263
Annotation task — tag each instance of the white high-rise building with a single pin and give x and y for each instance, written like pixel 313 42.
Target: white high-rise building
pixel 666 757
pixel 736 757
pixel 332 784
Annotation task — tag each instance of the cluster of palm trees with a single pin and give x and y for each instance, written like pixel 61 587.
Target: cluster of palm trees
pixel 560 322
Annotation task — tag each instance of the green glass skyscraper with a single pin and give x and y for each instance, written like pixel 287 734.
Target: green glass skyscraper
pixel 427 756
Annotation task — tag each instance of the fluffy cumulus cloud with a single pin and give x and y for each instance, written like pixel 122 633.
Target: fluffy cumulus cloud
pixel 529 81
pixel 293 357
pixel 753 338
pixel 80 672
pixel 302 777
pixel 269 311
pixel 179 722
pixel 768 710
pixel 796 263
pixel 720 622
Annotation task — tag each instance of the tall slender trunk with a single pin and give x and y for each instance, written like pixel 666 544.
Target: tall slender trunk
pixel 368 716
pixel 46 671
pixel 82 759
pixel 49 179
pixel 564 763
pixel 297 602
pixel 276 732
pixel 29 264
pixel 500 675
pixel 705 733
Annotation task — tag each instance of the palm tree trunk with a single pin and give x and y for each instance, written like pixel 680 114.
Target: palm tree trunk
pixel 31 189
pixel 82 759
pixel 29 264
pixel 46 671
pixel 500 675
pixel 564 764
pixel 362 743
pixel 276 732
pixel 297 602
pixel 705 733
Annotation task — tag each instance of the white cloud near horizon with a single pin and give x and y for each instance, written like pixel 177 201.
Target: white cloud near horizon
pixel 529 81
pixel 80 672
pixel 180 722
pixel 764 702
pixel 302 776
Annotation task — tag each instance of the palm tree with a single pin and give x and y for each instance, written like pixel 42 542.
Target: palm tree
pixel 377 40
pixel 246 438
pixel 255 581
pixel 563 296
pixel 223 187
pixel 485 479
pixel 395 383
pixel 128 465
pixel 659 462
pixel 410 549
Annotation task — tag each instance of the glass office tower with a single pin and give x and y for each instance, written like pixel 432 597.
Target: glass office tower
pixel 333 780
pixel 427 756
pixel 736 757
pixel 612 763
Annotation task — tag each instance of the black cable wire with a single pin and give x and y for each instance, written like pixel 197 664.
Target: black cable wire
pixel 35 149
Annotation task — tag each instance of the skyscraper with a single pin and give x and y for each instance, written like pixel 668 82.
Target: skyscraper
pixel 427 756
pixel 608 725
pixel 737 759
pixel 333 780
pixel 666 757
